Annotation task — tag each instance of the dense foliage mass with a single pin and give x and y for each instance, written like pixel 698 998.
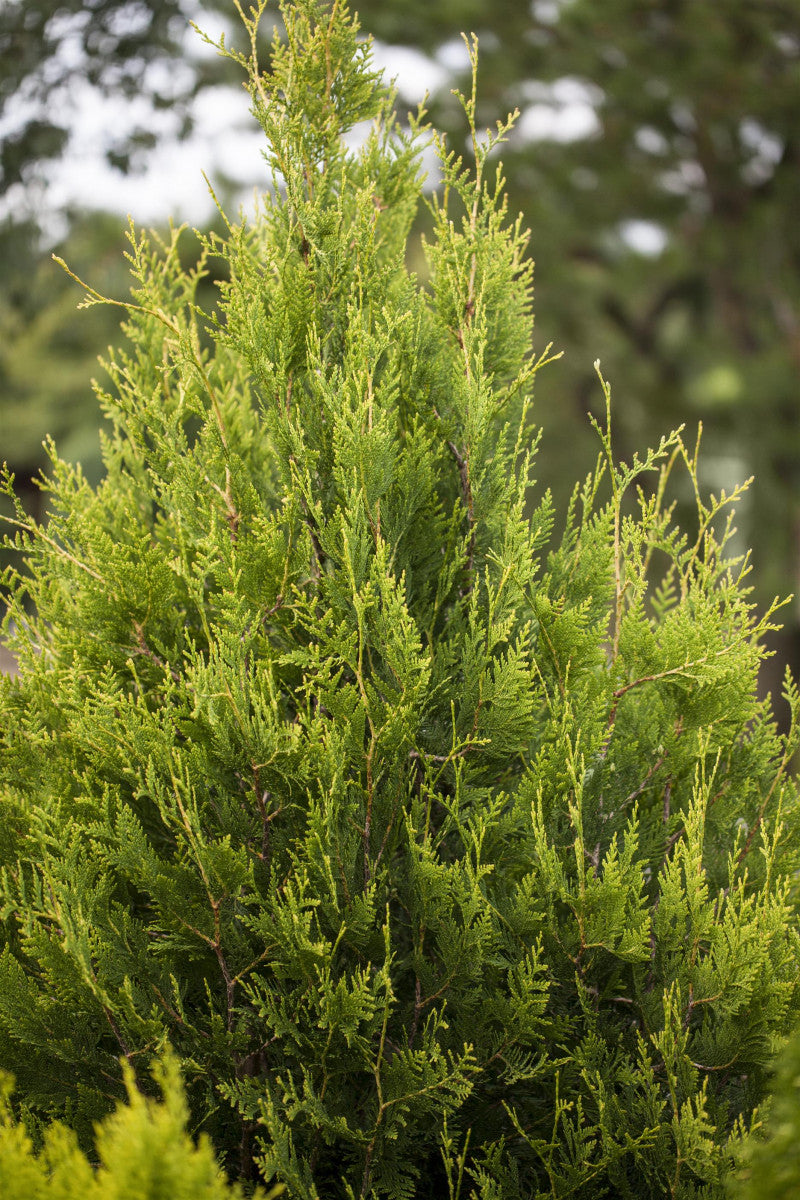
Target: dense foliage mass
pixel 452 856
pixel 655 158
pixel 768 1167
pixel 143 1149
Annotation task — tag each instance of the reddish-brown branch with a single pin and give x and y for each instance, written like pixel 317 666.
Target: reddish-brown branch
pixel 115 1029
pixel 143 649
pixel 417 1012
pixel 462 462
pixel 368 818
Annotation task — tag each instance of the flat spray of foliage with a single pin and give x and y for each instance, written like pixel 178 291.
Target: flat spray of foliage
pixel 452 856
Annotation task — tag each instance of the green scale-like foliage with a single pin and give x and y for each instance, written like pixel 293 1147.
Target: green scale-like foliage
pixel 143 1152
pixel 451 857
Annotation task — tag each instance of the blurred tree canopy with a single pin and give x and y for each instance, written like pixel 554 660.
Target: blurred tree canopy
pixel 125 48
pixel 122 48
pixel 657 162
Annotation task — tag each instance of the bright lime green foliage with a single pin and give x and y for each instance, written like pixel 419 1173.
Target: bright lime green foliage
pixel 452 856
pixel 144 1153
pixel 768 1166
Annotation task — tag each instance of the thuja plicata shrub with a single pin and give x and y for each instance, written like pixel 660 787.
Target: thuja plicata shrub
pixel 442 838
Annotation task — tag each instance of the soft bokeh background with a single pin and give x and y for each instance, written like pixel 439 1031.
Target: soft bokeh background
pixel 656 160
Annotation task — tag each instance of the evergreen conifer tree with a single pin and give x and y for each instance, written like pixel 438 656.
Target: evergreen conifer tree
pixel 452 856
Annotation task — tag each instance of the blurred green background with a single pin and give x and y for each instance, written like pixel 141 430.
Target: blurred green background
pixel 656 160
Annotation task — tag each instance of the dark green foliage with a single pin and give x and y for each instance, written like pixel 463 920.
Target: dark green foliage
pixel 143 1149
pixel 768 1162
pixel 449 864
